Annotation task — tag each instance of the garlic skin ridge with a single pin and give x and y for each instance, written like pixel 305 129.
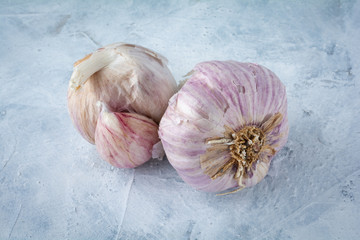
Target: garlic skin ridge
pixel 219 95
pixel 128 79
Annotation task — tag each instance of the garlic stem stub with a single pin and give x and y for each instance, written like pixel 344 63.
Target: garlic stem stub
pixel 224 126
pixel 116 98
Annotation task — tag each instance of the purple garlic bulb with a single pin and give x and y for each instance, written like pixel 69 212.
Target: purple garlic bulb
pixel 224 126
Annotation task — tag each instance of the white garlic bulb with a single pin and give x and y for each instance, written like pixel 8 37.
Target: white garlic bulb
pixel 133 83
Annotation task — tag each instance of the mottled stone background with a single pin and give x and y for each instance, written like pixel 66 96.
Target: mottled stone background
pixel 53 185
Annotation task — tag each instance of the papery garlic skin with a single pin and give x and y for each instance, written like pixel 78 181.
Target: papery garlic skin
pixel 125 140
pixel 220 94
pixel 125 77
pixel 135 84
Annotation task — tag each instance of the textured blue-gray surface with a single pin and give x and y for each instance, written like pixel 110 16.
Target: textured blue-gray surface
pixel 53 185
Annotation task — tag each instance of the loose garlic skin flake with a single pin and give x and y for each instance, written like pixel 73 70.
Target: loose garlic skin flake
pixel 132 84
pixel 224 126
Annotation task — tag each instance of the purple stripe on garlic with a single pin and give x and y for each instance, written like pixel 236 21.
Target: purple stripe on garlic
pixel 134 83
pixel 224 126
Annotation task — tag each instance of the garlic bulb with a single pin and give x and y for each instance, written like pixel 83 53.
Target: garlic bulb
pixel 133 85
pixel 223 127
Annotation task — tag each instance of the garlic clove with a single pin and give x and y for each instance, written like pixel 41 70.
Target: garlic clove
pixel 125 140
